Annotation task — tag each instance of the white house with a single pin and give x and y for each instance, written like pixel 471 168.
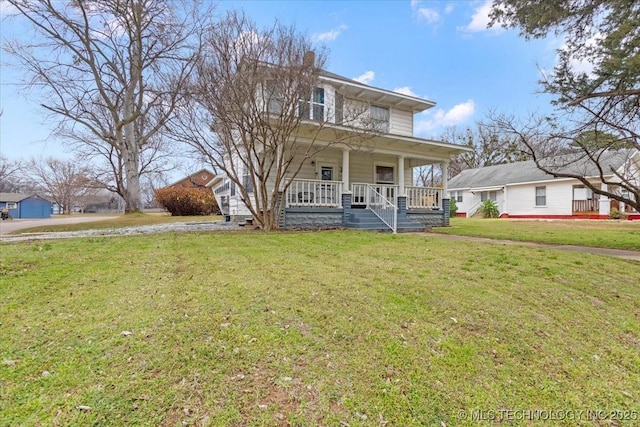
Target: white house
pixel 521 190
pixel 366 186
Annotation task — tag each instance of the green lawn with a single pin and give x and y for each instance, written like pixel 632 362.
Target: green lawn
pixel 602 234
pixel 330 328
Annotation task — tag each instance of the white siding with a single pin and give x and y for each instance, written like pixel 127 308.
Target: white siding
pixel 401 122
pixel 521 199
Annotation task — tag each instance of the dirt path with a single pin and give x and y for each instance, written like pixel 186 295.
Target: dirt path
pixel 618 253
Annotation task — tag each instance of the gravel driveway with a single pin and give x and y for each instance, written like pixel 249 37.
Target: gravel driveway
pixel 143 229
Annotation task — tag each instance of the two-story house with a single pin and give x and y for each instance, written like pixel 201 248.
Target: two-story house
pixel 368 185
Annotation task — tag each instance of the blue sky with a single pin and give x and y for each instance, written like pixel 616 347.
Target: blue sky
pixel 438 50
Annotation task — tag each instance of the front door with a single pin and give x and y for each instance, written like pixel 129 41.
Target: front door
pixel 385 177
pixel 327 192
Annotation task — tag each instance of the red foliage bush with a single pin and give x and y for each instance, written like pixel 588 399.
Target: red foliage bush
pixel 188 201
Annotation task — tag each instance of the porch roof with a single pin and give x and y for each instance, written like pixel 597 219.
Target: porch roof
pixel 401 145
pixel 365 92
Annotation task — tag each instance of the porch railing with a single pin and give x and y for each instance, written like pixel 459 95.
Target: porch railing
pixel 384 209
pixel 314 193
pixel 362 196
pixel 424 198
pixel 589 205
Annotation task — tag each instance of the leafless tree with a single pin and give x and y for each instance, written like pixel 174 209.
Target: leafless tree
pixel 111 72
pixel 599 100
pixel 580 153
pixel 9 174
pixel 66 182
pixel 251 111
pixel 489 147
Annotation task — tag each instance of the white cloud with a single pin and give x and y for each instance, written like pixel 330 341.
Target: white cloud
pixel 432 16
pixel 330 35
pixel 406 90
pixel 449 8
pixel 7 9
pixel 480 19
pixel 459 114
pixel 366 77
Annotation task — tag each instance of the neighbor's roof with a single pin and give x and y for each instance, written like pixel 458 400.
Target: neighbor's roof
pixel 521 172
pixel 17 197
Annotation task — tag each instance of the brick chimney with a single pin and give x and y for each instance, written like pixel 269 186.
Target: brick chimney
pixel 309 58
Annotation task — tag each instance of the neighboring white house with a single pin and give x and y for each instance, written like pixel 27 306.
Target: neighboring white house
pixel 360 187
pixel 521 190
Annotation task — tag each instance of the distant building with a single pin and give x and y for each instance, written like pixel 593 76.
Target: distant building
pixel 195 180
pixel 26 205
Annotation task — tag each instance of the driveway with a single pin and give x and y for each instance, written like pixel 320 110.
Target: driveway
pixel 9 226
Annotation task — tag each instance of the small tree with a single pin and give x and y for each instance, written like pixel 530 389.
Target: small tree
pixel 66 182
pixel 252 111
pixel 489 209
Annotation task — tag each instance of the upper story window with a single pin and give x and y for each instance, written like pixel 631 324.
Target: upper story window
pixel 313 109
pixel 274 97
pixel 380 117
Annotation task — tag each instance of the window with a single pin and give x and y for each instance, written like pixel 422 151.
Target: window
pixel 313 109
pixel 12 205
pixel 488 195
pixel 275 100
pixel 339 108
pixel 326 173
pixel 380 117
pixel 384 175
pixel 541 196
pixel 457 196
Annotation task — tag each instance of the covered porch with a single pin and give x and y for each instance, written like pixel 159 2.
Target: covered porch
pixel 364 189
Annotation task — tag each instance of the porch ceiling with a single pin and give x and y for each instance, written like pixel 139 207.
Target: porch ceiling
pixel 410 147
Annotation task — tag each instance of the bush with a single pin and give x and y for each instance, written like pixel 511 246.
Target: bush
pixel 188 201
pixel 453 207
pixel 489 209
pixel 616 214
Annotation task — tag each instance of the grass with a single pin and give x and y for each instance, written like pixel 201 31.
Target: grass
pixel 602 234
pixel 331 328
pixel 129 220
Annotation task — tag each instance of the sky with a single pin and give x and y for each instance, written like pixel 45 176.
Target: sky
pixel 437 50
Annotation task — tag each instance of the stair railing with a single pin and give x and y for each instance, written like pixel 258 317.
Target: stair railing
pixel 383 208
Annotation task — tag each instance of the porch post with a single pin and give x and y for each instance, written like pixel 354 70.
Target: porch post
pixel 445 178
pixel 401 190
pixel 345 171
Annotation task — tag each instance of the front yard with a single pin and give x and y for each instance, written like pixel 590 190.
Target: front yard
pixel 331 328
pixel 601 234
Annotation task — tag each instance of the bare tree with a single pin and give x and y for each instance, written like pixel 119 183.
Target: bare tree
pixel 9 174
pixel 252 115
pixel 111 72
pixel 582 154
pixel 600 99
pixel 489 147
pixel 66 182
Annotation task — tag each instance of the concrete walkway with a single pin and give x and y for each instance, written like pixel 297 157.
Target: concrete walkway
pixel 618 253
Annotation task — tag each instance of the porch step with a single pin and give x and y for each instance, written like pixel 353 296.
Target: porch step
pixel 365 219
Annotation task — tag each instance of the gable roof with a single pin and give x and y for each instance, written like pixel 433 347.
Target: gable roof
pixel 188 177
pixel 18 197
pixel 527 171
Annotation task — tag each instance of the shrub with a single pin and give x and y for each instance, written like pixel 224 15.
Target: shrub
pixel 453 207
pixel 489 209
pixel 616 214
pixel 188 201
